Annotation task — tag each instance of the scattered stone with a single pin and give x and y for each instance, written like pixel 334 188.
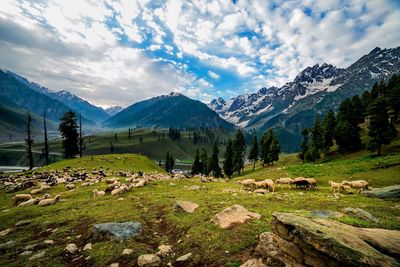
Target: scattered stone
pixel 22 223
pixel 6 232
pixel 26 253
pixel 127 251
pixel 195 187
pixel 184 257
pixel 164 250
pixel 384 192
pixel 148 260
pixel 38 255
pixel 113 230
pixel 49 242
pixel 261 191
pixel 71 248
pixel 326 214
pixel 88 246
pixel 360 213
pixel 120 199
pixel 7 246
pixel 234 215
pixel 185 206
pixel 115 264
pixel 253 263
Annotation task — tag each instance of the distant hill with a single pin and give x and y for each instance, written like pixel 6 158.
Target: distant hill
pixel 89 111
pixel 111 111
pixel 173 110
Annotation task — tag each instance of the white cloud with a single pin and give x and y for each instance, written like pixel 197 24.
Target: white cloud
pixel 213 75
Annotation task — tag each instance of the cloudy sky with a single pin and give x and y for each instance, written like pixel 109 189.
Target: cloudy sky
pixel 122 51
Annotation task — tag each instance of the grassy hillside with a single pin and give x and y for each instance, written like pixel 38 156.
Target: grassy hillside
pixel 153 204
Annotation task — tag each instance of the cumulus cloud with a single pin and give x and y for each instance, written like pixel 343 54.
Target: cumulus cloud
pixel 122 51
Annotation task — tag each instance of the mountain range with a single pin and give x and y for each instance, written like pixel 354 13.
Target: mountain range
pixel 315 90
pixel 287 109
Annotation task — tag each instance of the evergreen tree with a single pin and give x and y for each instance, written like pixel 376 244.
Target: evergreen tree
pixel 253 155
pixel 304 145
pixel 275 149
pixel 204 162
pixel 171 163
pixel 238 151
pixel 167 162
pixel 228 161
pixel 265 145
pixel 81 144
pixel 69 132
pixel 380 129
pixel 46 142
pixel 196 166
pixel 317 142
pixel 29 141
pixel 328 126
pixel 393 97
pixel 215 169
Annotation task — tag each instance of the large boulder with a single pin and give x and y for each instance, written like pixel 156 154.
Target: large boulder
pixel 299 240
pixel 185 206
pixel 234 215
pixel 114 230
pixel 384 192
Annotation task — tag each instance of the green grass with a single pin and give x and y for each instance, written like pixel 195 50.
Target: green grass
pixel 153 204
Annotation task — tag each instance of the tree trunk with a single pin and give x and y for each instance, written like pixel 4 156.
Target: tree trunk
pixel 254 164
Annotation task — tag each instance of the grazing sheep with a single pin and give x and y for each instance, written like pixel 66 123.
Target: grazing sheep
pixel 111 180
pixel 86 184
pixel 29 202
pixel 20 197
pixel 267 184
pixel 43 187
pixel 312 183
pixel 335 187
pixel 97 193
pixel 304 183
pixel 141 183
pixel 49 201
pixel 70 186
pixel 284 181
pixel 116 192
pixel 246 183
pixel 346 189
pixel 359 184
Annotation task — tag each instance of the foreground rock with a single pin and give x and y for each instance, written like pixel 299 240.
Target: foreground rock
pixel 149 260
pixel 185 206
pixel 360 213
pixel 299 241
pixel 234 215
pixel 384 192
pixel 113 230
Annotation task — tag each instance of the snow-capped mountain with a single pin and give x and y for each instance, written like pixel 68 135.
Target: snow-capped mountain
pixel 315 90
pixel 111 111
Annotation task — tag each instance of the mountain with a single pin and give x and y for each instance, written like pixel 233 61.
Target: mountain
pixel 15 94
pixel 173 110
pixel 315 90
pixel 74 102
pixel 111 111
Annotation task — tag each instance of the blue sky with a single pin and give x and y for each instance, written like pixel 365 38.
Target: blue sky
pixel 121 52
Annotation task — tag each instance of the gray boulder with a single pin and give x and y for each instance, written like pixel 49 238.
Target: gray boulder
pixel 384 192
pixel 114 230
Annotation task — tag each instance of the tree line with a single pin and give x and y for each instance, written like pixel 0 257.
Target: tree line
pixel 378 109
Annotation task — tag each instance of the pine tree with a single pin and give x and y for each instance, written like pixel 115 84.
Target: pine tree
pixel 393 97
pixel 265 145
pixel 228 161
pixel 253 155
pixel 380 129
pixel 316 145
pixel 171 163
pixel 328 128
pixel 275 149
pixel 81 145
pixel 129 133
pixel 46 142
pixel 304 145
pixel 204 162
pixel 29 140
pixel 167 162
pixel 69 132
pixel 238 151
pixel 215 169
pixel 196 166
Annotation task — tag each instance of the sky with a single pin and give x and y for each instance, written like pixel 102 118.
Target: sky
pixel 123 51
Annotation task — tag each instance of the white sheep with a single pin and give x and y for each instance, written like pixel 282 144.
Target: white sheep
pixel 335 187
pixel 49 201
pixel 267 184
pixel 20 197
pixel 70 186
pixel 246 183
pixel 97 193
pixel 284 181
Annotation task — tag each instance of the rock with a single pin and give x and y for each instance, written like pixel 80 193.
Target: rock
pixel 186 206
pixel 360 213
pixel 325 214
pixel 115 264
pixel 184 257
pixel 88 246
pixel 113 230
pixel 38 255
pixel 7 246
pixel 164 250
pixel 261 191
pixel 384 192
pixel 22 223
pixel 253 263
pixel 149 260
pixel 195 187
pixel 127 251
pixel 322 242
pixel 71 248
pixel 49 242
pixel 26 253
pixel 6 232
pixel 234 215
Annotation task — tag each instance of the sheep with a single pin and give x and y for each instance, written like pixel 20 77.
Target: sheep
pixel 346 189
pixel 247 183
pixel 49 201
pixel 20 197
pixel 304 183
pixel 141 183
pixel 359 184
pixel 335 187
pixel 29 202
pixel 283 181
pixel 70 186
pixel 116 192
pixel 267 184
pixel 312 183
pixel 43 187
pixel 97 193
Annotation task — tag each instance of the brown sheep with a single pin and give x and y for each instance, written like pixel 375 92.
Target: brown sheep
pixel 49 201
pixel 359 184
pixel 97 193
pixel 267 184
pixel 246 183
pixel 335 187
pixel 284 181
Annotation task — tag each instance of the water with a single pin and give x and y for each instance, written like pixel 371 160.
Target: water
pixel 13 168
